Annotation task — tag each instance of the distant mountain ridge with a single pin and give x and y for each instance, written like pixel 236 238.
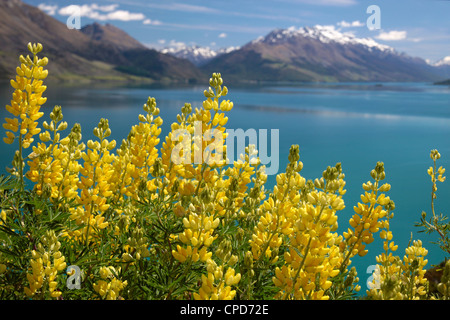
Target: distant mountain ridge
pixel 325 34
pixel 443 62
pixel 112 35
pixel 196 54
pixel 320 53
pixel 97 52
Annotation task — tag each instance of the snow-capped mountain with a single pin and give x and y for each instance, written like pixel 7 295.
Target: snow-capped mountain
pixel 443 62
pixel 444 66
pixel 325 34
pixel 320 53
pixel 196 54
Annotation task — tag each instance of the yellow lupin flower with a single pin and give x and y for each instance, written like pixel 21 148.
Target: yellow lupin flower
pixel 197 236
pixel 25 104
pixel 95 183
pixel 313 255
pixel 368 217
pixel 109 286
pixel 44 269
pixel 398 279
pixel 217 285
pixel 137 155
pixel 278 213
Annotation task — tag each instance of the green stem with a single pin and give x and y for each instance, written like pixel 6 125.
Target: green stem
pixel 317 219
pixel 93 186
pixel 298 270
pixel 433 179
pixel 21 162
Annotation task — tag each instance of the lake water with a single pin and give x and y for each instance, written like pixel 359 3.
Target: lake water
pixel 355 124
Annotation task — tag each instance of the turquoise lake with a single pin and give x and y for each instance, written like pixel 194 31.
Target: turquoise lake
pixel 356 124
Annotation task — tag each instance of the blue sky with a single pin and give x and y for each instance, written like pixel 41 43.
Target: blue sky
pixel 417 27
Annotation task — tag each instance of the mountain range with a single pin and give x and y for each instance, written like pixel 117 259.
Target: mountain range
pixel 99 52
pixel 96 52
pixel 443 62
pixel 196 54
pixel 322 53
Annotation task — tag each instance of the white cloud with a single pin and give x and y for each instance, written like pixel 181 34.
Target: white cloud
pixel 109 8
pixel 49 9
pixel 122 15
pixel 101 13
pixel 345 24
pixel 152 22
pixel 392 35
pixel 327 2
pixel 223 35
pixel 337 2
pixel 176 44
pixel 174 6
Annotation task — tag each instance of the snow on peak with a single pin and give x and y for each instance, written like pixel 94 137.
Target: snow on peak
pixel 193 51
pixel 443 62
pixel 196 54
pixel 323 33
pixel 227 50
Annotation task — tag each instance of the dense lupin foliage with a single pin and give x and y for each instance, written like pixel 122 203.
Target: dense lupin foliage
pixel 138 223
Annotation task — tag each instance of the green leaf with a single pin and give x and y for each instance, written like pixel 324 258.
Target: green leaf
pixel 9 182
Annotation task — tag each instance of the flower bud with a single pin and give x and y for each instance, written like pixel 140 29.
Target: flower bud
pixel 43 62
pixel 45 136
pixel 62 126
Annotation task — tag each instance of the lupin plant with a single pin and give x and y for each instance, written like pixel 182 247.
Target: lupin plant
pixel 25 104
pixel 437 223
pixel 177 220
